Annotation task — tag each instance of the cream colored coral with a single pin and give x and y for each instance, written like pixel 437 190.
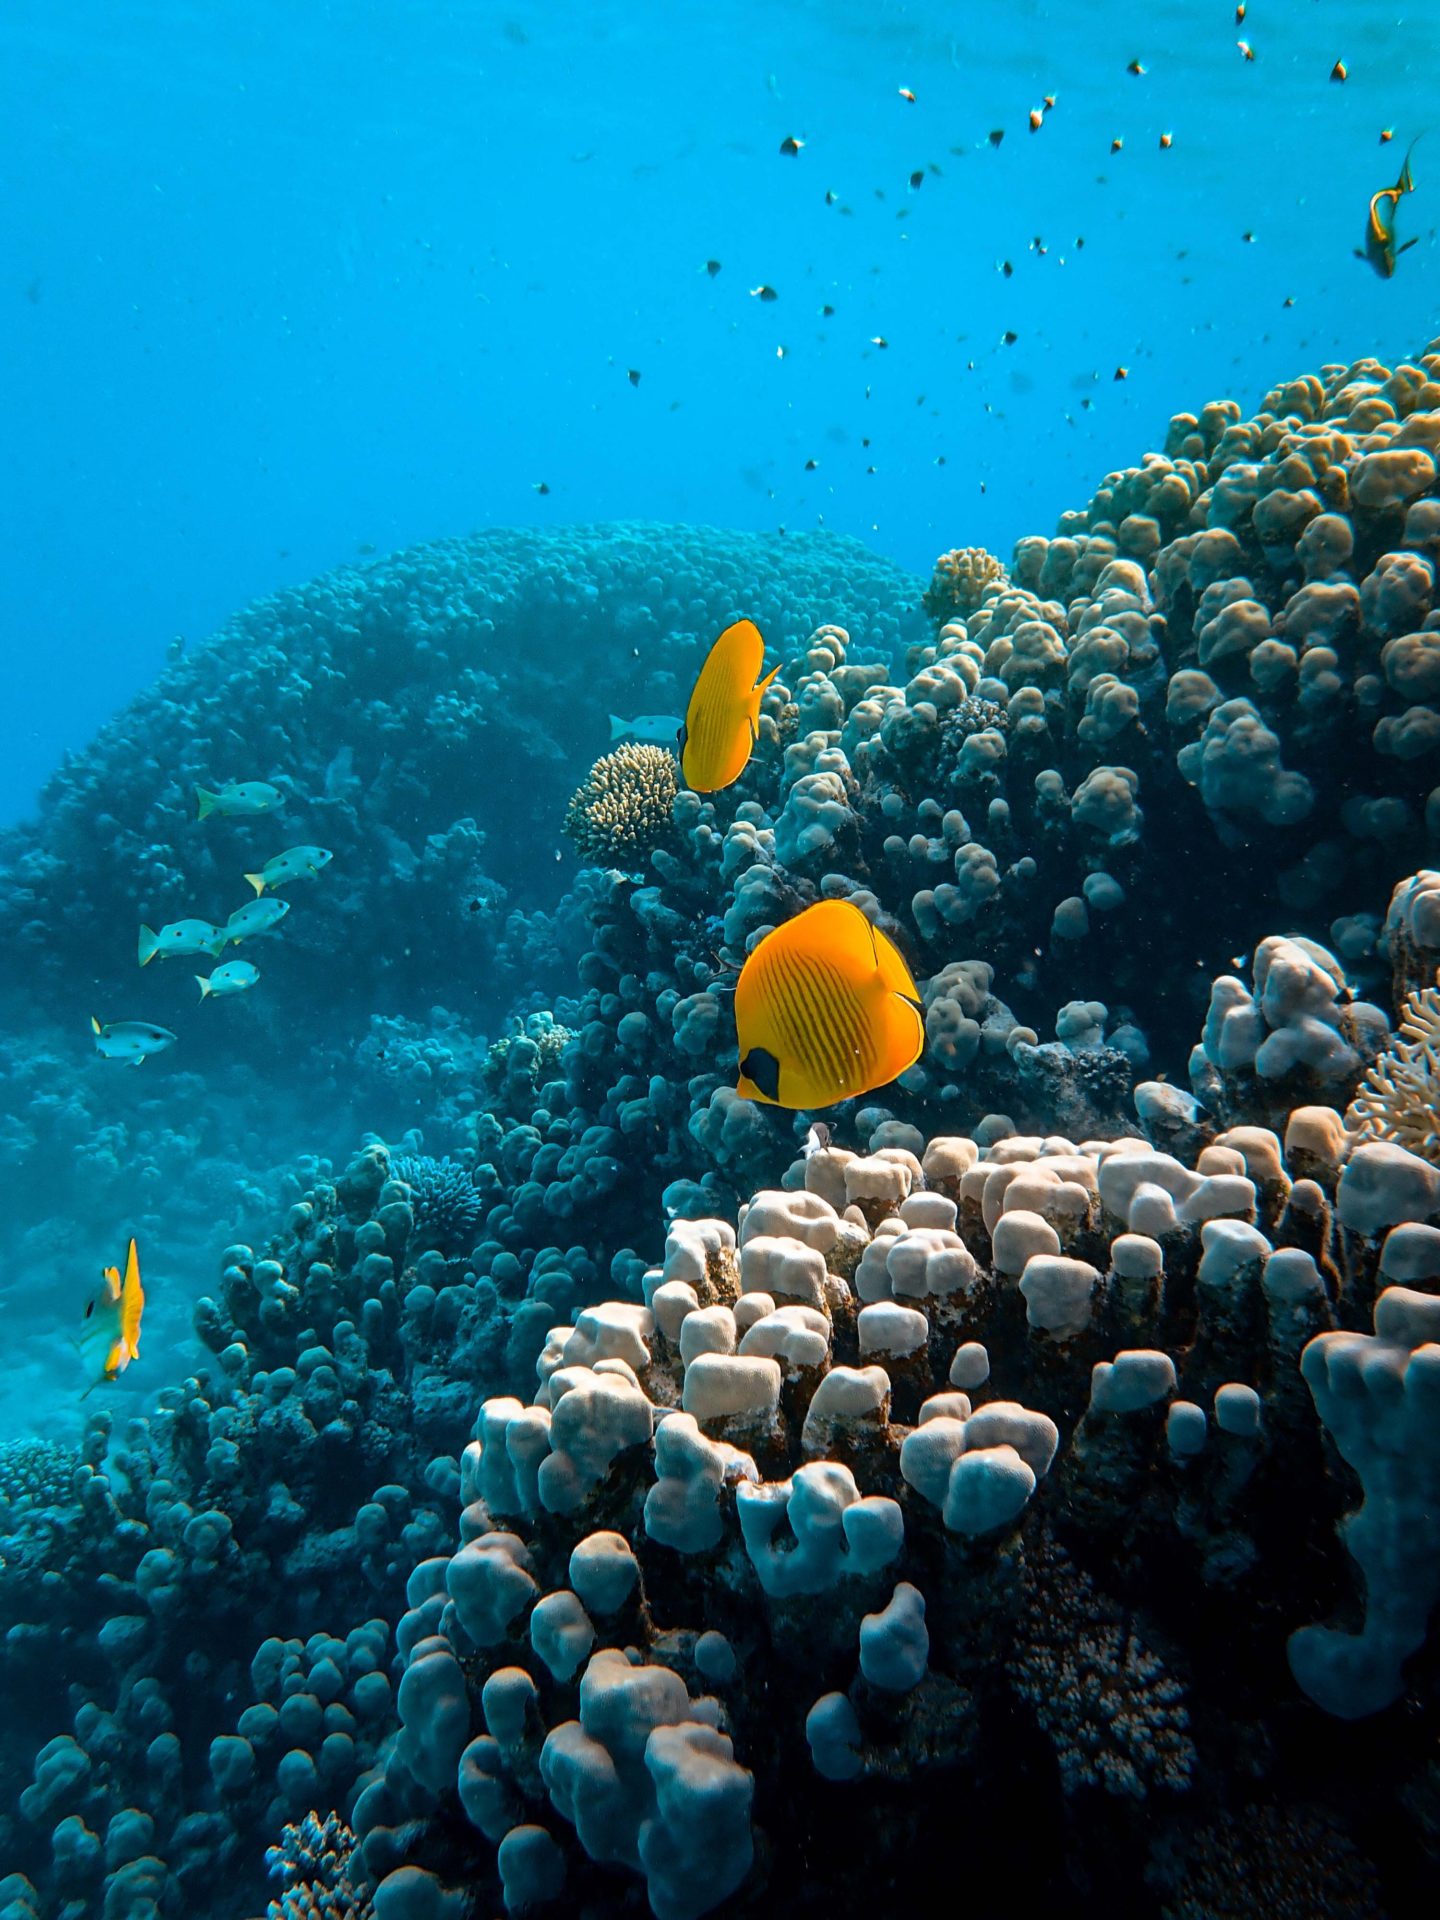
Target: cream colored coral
pixel 623 808
pixel 1399 1098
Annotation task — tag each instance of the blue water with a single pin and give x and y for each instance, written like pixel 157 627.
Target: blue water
pixel 287 283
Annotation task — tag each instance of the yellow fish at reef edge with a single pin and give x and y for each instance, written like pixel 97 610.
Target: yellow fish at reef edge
pixel 110 1334
pixel 722 721
pixel 826 1008
pixel 1380 248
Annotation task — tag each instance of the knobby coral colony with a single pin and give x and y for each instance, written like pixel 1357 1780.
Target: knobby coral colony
pixel 1047 1468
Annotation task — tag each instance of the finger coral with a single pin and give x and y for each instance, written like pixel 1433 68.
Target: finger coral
pixel 622 809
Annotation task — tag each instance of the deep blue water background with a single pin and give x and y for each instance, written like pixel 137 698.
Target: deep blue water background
pixel 282 282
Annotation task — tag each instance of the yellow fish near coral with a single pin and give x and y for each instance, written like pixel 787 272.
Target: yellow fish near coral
pixel 1380 248
pixel 110 1331
pixel 826 1009
pixel 722 721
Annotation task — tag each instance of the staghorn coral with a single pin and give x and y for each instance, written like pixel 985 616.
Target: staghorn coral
pixel 321 1878
pixel 960 582
pixel 1399 1098
pixel 622 809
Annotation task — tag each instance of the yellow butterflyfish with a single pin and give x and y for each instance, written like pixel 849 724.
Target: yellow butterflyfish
pixel 110 1331
pixel 722 720
pixel 826 1009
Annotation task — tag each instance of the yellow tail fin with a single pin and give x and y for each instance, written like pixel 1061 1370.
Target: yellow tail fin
pixel 95 1027
pixel 257 881
pixel 205 986
pixel 208 801
pixel 149 946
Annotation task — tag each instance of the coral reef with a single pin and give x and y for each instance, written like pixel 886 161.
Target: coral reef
pixel 622 809
pixel 593 1501
pixel 960 581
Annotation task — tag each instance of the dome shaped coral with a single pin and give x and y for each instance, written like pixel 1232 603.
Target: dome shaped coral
pixel 960 580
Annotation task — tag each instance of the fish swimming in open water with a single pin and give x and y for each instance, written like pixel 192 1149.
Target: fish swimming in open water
pixel 658 729
pixel 254 918
pixel 110 1327
pixel 826 1008
pixel 236 976
pixel 296 863
pixel 722 720
pixel 239 799
pixel 1380 248
pixel 180 937
pixel 132 1040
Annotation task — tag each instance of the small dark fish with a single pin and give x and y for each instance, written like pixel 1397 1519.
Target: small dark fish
pixel 1135 68
pixel 917 180
pixel 1167 140
pixel 1116 144
pixel 1248 238
pixel 712 267
pixel 811 465
pixel 1289 300
pixel 1122 373
pixel 1009 338
pixel 906 94
pixel 995 136
pixel 878 340
pixel 1006 268
pixel 634 377
pixel 1247 52
pixel 1037 120
pixel 831 196
pixel 1048 103
pixel 1387 134
pixel 817 1139
pixel 542 486
pixel 1339 73
pixel 1380 248
pixel 827 312
pixel 790 144
pixel 763 293
pixel 1240 14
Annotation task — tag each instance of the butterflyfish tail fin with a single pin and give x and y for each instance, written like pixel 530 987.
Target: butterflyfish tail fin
pixel 204 985
pixel 207 800
pixel 149 945
pixel 257 881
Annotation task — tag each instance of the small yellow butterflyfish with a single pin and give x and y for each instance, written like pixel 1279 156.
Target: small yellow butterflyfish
pixel 110 1329
pixel 722 720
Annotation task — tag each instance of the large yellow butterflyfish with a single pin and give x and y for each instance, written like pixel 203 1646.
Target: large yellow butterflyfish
pixel 826 1009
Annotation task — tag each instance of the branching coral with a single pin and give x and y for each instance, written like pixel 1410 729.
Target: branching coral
pixel 320 1877
pixel 960 580
pixel 1117 1719
pixel 622 809
pixel 445 1198
pixel 1399 1098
